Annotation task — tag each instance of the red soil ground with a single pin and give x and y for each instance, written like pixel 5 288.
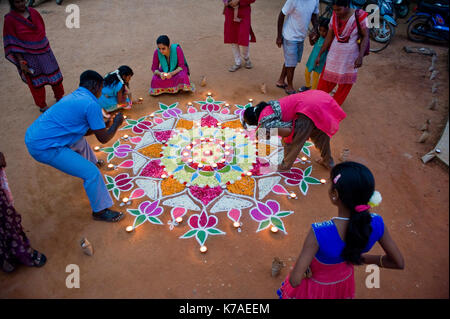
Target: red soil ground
pixel 385 110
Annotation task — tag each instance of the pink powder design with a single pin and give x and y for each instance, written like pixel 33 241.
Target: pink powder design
pixel 153 169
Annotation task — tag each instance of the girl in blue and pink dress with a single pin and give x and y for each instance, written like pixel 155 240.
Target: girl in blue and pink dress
pixel 324 269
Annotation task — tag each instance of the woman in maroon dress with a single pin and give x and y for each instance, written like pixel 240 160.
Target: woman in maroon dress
pixel 27 47
pixel 239 33
pixel 14 245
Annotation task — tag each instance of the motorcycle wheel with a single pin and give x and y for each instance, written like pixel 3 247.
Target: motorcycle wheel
pixel 381 37
pixel 418 24
pixel 402 10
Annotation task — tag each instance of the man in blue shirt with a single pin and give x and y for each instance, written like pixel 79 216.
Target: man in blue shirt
pixel 56 138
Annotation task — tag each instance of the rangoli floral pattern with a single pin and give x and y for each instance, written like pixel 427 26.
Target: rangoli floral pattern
pixel 195 169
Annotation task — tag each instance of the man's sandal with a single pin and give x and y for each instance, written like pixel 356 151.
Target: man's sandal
pixel 108 215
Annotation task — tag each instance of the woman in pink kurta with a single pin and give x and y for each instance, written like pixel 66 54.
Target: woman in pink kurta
pixel 170 69
pixel 239 33
pixel 311 114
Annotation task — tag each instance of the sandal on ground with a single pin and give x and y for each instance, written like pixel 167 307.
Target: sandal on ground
pixel 248 64
pixel 234 68
pixel 43 109
pixel 281 86
pixel 39 259
pixel 304 88
pixel 108 215
pixel 290 92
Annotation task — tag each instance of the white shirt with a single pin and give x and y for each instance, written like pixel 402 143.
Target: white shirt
pixel 298 16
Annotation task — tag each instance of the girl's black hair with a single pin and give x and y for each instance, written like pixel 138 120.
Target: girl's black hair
pixel 342 3
pixel 11 5
pixel 324 22
pixel 355 187
pixel 251 114
pixel 163 39
pixel 112 79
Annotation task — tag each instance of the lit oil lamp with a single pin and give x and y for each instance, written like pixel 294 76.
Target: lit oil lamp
pixel 129 229
pixel 97 148
pixel 203 249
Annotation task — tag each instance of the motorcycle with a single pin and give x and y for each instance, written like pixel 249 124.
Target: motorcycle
pixel 381 33
pixel 430 21
pixel 401 8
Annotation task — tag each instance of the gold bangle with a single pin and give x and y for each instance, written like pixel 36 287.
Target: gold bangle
pixel 381 261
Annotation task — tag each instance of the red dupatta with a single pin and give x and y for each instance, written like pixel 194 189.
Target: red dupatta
pixel 343 30
pixel 20 35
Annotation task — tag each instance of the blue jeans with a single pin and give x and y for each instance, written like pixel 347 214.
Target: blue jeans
pixel 80 161
pixel 293 51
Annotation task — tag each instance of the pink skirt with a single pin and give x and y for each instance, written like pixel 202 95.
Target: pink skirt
pixel 179 82
pixel 327 282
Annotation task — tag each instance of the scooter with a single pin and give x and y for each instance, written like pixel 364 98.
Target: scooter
pixel 430 21
pixel 401 8
pixel 381 33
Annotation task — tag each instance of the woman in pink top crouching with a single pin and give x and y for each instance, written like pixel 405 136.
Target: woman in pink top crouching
pixel 313 115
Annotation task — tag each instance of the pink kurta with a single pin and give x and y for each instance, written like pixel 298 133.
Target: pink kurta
pixel 179 82
pixel 319 106
pixel 239 32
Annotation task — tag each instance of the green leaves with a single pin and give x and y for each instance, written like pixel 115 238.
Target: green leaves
pixel 311 180
pixel 190 234
pixel 307 171
pixel 305 148
pixel 154 220
pixel 215 231
pixel 126 127
pixel 283 214
pixel 110 156
pixel 139 220
pixel 201 237
pixel 304 187
pixel 109 179
pixel 263 225
pixel 278 223
pixel 132 122
pixel 107 150
pixel 116 193
pixel 135 212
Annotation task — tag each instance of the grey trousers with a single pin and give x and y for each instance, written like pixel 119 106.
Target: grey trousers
pixel 304 129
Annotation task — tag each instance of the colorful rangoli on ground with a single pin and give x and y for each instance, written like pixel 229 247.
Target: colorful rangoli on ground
pixel 201 165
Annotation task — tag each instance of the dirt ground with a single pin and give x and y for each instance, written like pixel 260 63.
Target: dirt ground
pixel 385 110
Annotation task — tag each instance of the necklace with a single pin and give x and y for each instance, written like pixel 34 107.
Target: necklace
pixel 341 218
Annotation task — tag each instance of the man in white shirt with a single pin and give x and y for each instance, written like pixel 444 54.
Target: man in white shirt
pixel 293 23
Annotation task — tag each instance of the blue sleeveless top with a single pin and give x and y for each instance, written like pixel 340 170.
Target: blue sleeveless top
pixel 108 100
pixel 331 244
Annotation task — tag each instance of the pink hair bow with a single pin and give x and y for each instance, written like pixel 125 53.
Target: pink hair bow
pixel 362 208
